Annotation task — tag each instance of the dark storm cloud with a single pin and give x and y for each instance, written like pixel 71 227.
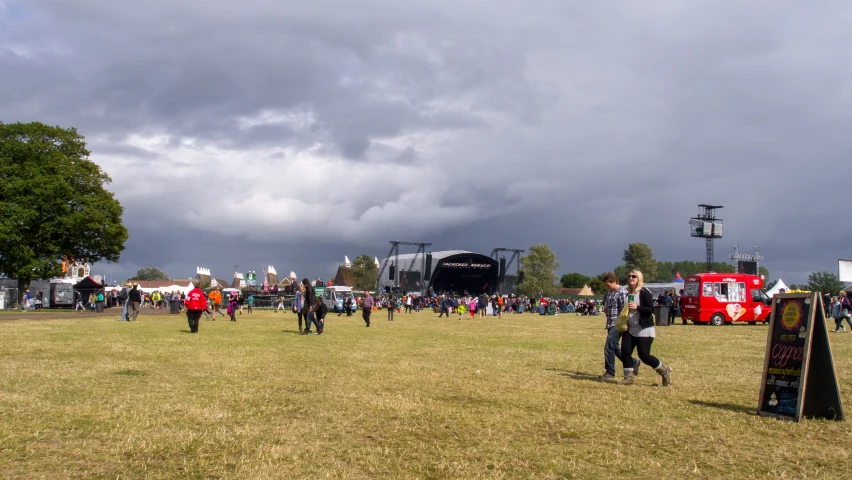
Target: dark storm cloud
pixel 584 125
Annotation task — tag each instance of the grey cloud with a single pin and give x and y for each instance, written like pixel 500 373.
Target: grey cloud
pixel 585 125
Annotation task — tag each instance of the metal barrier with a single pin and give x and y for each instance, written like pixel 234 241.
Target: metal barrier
pixel 9 299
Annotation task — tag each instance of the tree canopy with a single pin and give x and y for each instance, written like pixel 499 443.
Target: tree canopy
pixel 53 203
pixel 640 256
pixel 824 282
pixel 364 273
pixel 539 267
pixel 150 273
pixel 574 280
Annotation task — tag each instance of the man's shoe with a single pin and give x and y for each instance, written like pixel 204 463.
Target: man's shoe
pixel 606 377
pixel 304 332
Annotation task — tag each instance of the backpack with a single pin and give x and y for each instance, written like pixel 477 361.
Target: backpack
pixel 123 294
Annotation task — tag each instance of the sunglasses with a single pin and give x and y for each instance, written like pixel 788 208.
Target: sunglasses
pixel 633 276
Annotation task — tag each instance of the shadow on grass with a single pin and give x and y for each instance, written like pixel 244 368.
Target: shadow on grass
pixel 575 375
pixel 725 406
pixel 290 331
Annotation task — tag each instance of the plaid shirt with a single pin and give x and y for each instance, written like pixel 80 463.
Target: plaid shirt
pixel 614 302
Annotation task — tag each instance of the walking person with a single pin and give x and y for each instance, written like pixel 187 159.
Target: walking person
pixel 347 306
pixel 122 297
pixel 391 305
pixel 196 303
pixel 845 310
pixel 444 305
pixel 281 305
pixel 299 304
pixel 134 299
pixel 640 332
pixel 308 308
pixel 614 301
pixel 366 308
pixel 835 312
pixel 216 296
pixel 250 303
pixel 232 306
pixel 78 304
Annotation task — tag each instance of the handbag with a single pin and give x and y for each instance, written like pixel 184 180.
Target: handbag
pixel 621 321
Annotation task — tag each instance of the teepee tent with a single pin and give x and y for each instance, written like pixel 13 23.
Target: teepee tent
pixel 777 288
pixel 585 291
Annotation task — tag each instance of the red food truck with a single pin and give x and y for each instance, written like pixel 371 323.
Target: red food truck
pixel 720 298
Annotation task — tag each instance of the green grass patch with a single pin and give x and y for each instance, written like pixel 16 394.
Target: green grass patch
pixel 420 397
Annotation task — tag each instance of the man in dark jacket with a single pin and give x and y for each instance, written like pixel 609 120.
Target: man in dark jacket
pixel 134 299
pixel 308 308
pixel 367 307
pixel 320 311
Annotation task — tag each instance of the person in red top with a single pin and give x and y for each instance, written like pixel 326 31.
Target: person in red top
pixel 196 302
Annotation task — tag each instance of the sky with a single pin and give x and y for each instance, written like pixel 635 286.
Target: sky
pixel 292 133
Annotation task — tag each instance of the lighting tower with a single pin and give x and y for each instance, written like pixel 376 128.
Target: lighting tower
pixel 708 227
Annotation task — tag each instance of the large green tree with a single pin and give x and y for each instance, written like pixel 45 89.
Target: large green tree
pixel 539 267
pixel 53 203
pixel 597 284
pixel 824 282
pixel 364 273
pixel 150 273
pixel 640 256
pixel 574 280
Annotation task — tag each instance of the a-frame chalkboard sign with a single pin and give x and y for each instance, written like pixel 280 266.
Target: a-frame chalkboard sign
pixel 799 379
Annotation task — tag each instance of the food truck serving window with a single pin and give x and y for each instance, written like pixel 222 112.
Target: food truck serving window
pixel 729 291
pixel 690 289
pixel 708 289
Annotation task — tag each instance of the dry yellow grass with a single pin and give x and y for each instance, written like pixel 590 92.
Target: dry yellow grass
pixel 421 397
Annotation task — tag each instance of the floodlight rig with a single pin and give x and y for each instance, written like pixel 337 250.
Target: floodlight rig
pixel 708 227
pixel 756 257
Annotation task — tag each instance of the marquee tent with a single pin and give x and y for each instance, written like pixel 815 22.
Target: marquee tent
pixel 777 288
pixel 659 288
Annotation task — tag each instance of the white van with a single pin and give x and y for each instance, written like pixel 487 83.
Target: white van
pixel 333 298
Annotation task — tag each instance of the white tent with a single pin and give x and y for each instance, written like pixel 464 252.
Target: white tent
pixel 659 288
pixel 777 288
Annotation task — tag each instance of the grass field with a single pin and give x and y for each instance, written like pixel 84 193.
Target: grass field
pixel 421 397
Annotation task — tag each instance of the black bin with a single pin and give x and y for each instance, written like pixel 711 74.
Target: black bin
pixel 174 306
pixel 662 314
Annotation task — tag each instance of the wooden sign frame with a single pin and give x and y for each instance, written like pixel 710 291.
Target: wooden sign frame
pixel 818 392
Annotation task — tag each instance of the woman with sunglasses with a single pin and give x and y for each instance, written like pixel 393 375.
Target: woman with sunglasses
pixel 640 331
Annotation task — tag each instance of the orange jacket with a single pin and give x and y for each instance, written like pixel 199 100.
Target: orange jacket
pixel 216 296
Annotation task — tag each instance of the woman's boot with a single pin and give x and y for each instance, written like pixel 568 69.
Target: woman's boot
pixel 665 372
pixel 628 377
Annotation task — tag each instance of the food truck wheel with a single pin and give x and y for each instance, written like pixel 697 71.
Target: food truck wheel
pixel 717 320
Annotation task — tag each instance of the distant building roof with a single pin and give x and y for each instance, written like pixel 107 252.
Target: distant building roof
pixel 344 276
